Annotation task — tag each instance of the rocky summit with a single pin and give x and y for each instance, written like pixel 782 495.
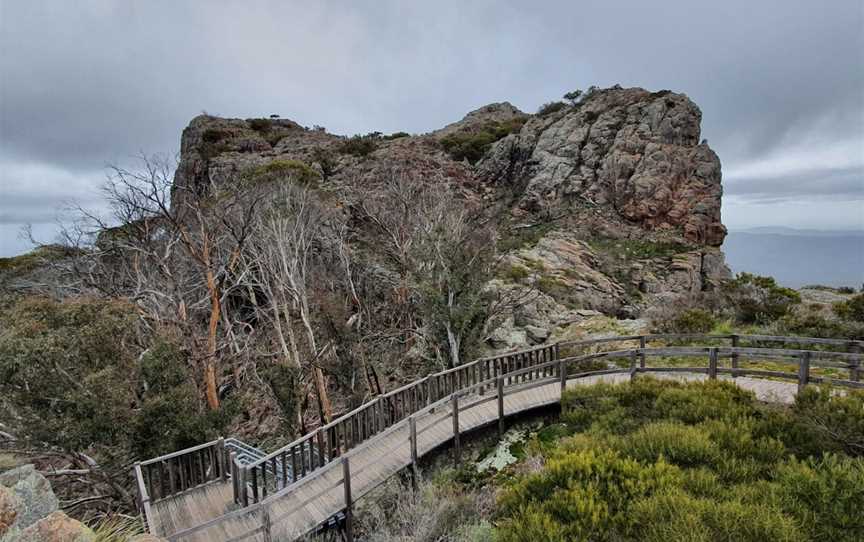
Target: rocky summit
pixel 610 203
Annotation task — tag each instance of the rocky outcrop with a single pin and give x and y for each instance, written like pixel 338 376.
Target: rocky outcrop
pixel 56 527
pixel 620 167
pixel 636 151
pixel 29 511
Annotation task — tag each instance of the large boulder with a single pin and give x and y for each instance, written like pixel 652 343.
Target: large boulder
pixel 56 527
pixel 34 492
pixel 10 509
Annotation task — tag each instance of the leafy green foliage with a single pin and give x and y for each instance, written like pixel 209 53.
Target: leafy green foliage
pixel 471 145
pixel 396 135
pixel 662 461
pixel 573 96
pixel 69 372
pixel 550 107
pixel 636 249
pixel 692 321
pixel 260 125
pixel 760 300
pixel 851 309
pixel 281 170
pixel 24 263
pixel 360 145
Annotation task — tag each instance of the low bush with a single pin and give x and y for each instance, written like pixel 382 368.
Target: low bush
pixel 759 300
pixel 851 309
pixel 550 107
pixel 283 170
pixel 260 125
pixel 692 321
pixel 683 445
pixel 471 145
pixel 359 145
pixel 70 372
pixel 396 135
pixel 699 461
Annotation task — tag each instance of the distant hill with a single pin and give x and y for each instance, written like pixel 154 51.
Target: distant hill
pixel 798 257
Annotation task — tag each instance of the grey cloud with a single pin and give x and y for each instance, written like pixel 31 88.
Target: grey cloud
pixel 87 83
pixel 841 184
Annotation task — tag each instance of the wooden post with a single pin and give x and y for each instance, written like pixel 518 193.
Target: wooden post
pixel 244 489
pixel 254 483
pixel 735 356
pixel 224 460
pixel 642 343
pixel 712 363
pixel 499 382
pixel 562 375
pixel 266 527
pixel 321 459
pixel 803 371
pixel 632 364
pixel 412 424
pixel 855 371
pixel 171 480
pixel 346 482
pixel 457 452
pixel 235 486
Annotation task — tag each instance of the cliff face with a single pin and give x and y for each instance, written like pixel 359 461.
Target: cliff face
pixel 631 150
pixel 622 199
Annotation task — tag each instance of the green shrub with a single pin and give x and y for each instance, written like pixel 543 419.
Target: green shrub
pixel 682 445
pixel 214 135
pixel 515 273
pixel 70 372
pixel 708 400
pixel 760 300
pixel 581 495
pixel 693 321
pixel 550 107
pixel 851 309
pixel 359 145
pixel 721 468
pixel 679 516
pixel 260 125
pixel 396 135
pixel 812 324
pixel 836 419
pixel 280 170
pixel 825 495
pixel 471 145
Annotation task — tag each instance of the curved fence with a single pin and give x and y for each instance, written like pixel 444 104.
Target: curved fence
pixel 292 490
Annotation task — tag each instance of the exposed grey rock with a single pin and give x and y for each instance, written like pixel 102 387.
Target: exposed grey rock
pixel 537 334
pixel 630 149
pixel 33 490
pixel 56 527
pixel 10 508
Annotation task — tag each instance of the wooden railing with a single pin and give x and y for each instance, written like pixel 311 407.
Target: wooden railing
pixel 314 450
pixel 172 474
pixel 448 393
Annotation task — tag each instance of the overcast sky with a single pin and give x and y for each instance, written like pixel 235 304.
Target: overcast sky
pixel 86 83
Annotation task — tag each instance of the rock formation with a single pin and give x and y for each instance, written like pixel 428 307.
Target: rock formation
pixel 29 511
pixel 620 196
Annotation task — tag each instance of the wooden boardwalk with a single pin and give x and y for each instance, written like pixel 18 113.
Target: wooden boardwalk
pixel 311 501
